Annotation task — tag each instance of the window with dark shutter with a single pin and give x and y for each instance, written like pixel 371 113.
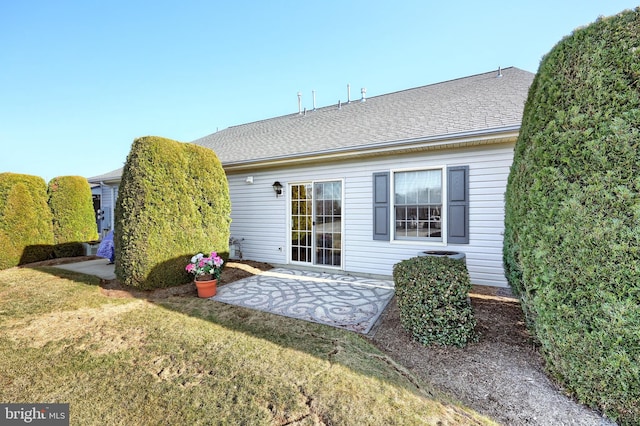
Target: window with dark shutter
pixel 458 205
pixel 381 196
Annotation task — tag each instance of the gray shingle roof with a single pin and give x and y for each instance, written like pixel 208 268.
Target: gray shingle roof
pixel 475 104
pixel 113 175
pixel 471 104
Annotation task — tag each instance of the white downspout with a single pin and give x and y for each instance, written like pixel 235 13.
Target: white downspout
pixel 113 203
pixel 101 227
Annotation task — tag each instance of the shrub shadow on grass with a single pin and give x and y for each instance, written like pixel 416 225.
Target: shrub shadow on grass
pixel 68 275
pixel 324 342
pixel 45 252
pixel 321 341
pixel 330 344
pixel 35 253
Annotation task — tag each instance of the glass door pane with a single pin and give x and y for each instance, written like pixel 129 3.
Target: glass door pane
pixel 328 223
pixel 301 223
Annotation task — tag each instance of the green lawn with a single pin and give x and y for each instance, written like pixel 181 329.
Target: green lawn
pixel 185 360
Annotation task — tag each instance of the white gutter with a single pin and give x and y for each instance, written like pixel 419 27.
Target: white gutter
pixel 486 136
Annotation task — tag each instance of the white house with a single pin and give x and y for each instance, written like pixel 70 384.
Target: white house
pixel 373 181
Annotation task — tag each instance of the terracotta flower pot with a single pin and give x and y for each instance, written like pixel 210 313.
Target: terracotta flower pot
pixel 206 288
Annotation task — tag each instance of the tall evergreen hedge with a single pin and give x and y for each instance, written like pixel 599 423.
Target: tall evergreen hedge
pixel 74 221
pixel 26 232
pixel 572 223
pixel 173 202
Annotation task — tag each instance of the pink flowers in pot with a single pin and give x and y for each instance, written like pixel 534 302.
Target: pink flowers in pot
pixel 202 267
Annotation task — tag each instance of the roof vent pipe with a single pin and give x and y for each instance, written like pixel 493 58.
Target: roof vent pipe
pixel 299 103
pixel 499 72
pixel 364 94
pixel 339 104
pixel 313 92
pixel 348 93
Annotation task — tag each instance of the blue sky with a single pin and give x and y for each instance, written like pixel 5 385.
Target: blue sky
pixel 80 80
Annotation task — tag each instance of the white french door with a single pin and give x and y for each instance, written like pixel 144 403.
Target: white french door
pixel 316 223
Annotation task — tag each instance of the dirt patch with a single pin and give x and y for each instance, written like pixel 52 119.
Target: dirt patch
pixel 167 368
pixel 96 323
pixel 502 376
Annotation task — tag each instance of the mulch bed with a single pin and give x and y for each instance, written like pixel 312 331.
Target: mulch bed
pixel 501 376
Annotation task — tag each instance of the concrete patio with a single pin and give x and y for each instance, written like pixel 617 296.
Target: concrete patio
pixel 335 299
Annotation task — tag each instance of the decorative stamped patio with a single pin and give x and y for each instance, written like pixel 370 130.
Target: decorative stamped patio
pixel 339 300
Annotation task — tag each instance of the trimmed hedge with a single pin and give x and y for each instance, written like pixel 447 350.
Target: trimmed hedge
pixel 572 219
pixel 26 232
pixel 173 202
pixel 433 298
pixel 74 221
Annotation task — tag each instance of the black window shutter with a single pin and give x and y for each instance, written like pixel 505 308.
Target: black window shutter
pixel 458 204
pixel 381 194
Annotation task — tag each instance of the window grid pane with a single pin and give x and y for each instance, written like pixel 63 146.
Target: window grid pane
pixel 301 223
pixel 418 205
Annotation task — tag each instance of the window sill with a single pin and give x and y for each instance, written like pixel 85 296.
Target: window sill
pixel 420 243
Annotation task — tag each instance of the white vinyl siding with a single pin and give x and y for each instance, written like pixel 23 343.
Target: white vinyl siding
pixel 108 197
pixel 261 220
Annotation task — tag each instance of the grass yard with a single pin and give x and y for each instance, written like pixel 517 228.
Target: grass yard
pixel 184 360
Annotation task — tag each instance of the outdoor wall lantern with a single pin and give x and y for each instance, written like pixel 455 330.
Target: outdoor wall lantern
pixel 277 186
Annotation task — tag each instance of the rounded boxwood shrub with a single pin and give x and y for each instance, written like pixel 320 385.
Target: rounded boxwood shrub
pixel 74 221
pixel 433 299
pixel 26 232
pixel 572 222
pixel 173 202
